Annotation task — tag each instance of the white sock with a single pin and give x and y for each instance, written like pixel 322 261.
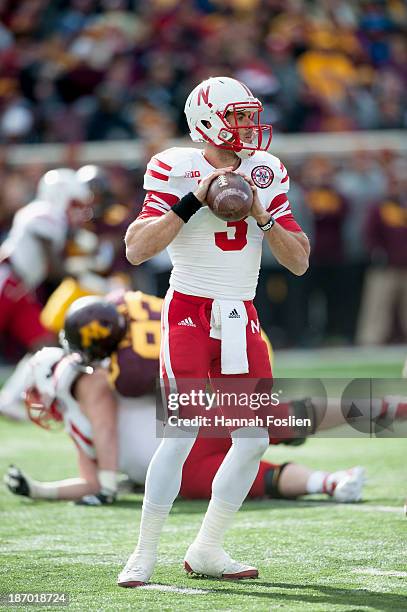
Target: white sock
pixel 232 483
pixel 153 518
pixel 218 518
pixel 315 483
pixel 392 407
pixel 108 480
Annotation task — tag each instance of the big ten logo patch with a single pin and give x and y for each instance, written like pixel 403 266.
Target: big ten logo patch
pixel 262 176
pixel 191 174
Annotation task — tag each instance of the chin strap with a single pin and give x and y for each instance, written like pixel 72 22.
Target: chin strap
pixel 245 153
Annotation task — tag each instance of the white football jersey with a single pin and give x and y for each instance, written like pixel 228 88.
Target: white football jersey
pixel 136 427
pixel 210 257
pixel 77 425
pixel 24 246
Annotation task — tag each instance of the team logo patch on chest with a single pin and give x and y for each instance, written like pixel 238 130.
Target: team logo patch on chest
pixel 262 176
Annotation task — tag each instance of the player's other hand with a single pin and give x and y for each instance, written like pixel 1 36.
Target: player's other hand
pixel 16 482
pixel 257 211
pixel 103 498
pixel 203 186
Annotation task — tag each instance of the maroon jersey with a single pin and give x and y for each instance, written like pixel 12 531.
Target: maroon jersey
pixel 386 232
pixel 134 367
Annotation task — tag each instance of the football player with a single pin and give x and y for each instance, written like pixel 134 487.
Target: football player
pixel 64 388
pixel 210 325
pixel 95 255
pixel 31 253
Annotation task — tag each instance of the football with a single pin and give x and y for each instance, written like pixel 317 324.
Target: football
pixel 230 197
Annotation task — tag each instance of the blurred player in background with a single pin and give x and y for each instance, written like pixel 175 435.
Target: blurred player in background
pixel 117 431
pixel 32 252
pixel 95 262
pixel 34 247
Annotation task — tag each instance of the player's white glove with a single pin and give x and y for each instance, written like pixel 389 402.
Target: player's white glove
pixel 103 498
pixel 16 482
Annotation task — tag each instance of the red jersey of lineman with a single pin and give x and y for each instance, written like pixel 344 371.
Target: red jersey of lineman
pixel 214 258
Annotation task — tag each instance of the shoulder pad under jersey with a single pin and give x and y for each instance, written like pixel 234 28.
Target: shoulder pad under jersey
pixel 167 170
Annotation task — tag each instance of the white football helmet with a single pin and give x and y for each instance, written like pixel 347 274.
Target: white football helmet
pixel 67 193
pixel 206 109
pixel 40 392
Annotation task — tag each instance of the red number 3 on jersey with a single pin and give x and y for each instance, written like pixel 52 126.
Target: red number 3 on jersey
pixel 236 242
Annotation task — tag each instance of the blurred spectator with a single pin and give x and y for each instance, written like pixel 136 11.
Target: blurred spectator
pixel 16 121
pixel 154 128
pixel 361 180
pixel 326 70
pixel 384 305
pixel 108 122
pixel 326 280
pixel 74 69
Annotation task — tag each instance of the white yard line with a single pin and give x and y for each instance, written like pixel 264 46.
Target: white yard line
pixel 371 571
pixel 166 588
pixel 392 509
pixel 343 355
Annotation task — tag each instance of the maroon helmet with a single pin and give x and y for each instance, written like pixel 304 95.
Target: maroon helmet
pixel 94 328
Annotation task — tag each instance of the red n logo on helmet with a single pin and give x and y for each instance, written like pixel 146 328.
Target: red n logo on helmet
pixel 204 94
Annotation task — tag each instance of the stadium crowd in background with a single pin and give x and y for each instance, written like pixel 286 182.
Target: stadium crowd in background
pixel 73 70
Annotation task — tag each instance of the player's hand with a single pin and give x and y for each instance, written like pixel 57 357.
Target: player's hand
pixel 257 210
pixel 203 186
pixel 16 482
pixel 103 498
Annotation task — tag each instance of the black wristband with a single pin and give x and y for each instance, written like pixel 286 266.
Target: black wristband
pixel 186 207
pixel 266 226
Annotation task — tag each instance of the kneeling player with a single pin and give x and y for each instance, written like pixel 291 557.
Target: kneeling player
pixel 62 388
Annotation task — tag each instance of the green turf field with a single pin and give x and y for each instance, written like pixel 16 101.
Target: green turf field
pixel 312 554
